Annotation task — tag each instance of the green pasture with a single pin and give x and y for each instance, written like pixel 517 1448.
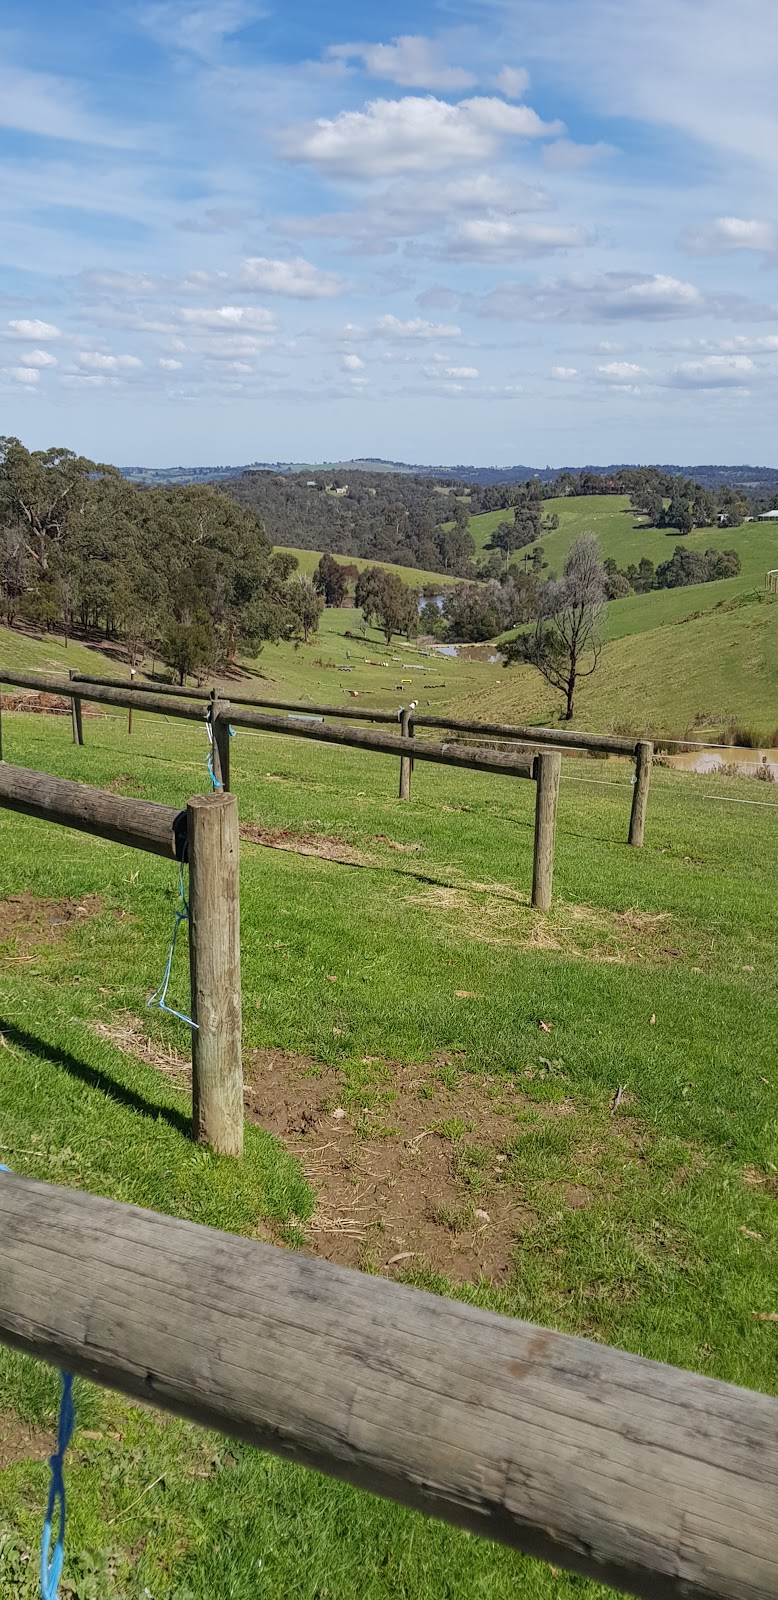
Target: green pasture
pixel 655 975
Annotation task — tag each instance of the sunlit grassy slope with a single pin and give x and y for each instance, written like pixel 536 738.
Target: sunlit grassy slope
pixel 308 561
pixel 674 656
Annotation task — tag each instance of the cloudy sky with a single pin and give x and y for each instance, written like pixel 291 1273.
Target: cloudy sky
pixel 539 231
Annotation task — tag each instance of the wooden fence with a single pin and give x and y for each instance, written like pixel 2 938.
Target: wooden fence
pixel 543 767
pixel 205 836
pixel 640 750
pixel 656 1481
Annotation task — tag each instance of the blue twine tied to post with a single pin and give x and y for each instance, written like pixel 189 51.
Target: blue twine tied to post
pixel 217 784
pixel 51 1569
pixel 159 997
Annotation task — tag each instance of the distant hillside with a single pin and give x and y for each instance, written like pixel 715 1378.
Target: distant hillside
pixel 756 480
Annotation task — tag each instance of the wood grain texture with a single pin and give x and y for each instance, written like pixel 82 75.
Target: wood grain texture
pixel 644 757
pixel 405 761
pixel 141 824
pixel 548 771
pixel 214 957
pixel 605 742
pixel 656 1481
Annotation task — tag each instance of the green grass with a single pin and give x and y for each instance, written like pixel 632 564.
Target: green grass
pixel 308 561
pixel 658 1262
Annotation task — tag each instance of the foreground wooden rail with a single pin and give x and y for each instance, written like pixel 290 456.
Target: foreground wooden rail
pixel 206 836
pixel 635 1474
pixel 543 767
pixel 641 750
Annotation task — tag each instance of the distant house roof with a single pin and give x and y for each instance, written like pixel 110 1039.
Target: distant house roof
pixel 768 516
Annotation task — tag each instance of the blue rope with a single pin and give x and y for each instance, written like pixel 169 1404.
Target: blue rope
pixel 51 1570
pixel 209 759
pixel 159 997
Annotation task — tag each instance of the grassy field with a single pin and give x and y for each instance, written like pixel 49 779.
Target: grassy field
pixel 392 967
pixel 308 561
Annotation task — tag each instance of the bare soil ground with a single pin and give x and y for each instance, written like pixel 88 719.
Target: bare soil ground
pixel 26 921
pixel 22 1441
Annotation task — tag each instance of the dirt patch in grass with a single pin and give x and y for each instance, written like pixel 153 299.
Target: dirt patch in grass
pixel 125 1032
pixel 125 780
pixel 38 702
pixel 395 844
pixel 22 1441
pixel 26 921
pixel 412 1169
pixel 497 915
pixel 326 846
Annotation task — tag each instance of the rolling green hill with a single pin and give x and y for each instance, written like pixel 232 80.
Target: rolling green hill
pixel 308 561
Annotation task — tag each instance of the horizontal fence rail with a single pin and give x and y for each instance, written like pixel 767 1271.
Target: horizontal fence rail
pixel 635 1474
pixel 141 824
pixel 359 713
pixel 124 695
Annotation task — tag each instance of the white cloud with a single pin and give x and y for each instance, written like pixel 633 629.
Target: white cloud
pixel 732 233
pixel 412 61
pixel 237 317
pixel 51 107
pixel 621 371
pixel 610 297
pixel 25 375
pixel 351 363
pixel 31 328
pixel 564 374
pixel 197 30
pixel 462 372
pixel 565 156
pixel 502 238
pixel 714 372
pixel 38 358
pixel 416 328
pixel 98 361
pixel 169 364
pixel 411 135
pixel 299 279
pixel 513 82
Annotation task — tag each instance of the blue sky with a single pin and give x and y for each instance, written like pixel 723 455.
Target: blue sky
pixel 468 231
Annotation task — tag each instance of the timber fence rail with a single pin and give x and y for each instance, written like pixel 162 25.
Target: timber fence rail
pixel 640 750
pixel 204 836
pixel 653 1480
pixel 543 767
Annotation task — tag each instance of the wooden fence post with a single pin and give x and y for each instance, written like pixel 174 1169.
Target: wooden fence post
pixel 75 715
pixel 129 708
pixel 548 767
pixel 644 756
pixel 214 953
pixel 220 729
pixel 406 762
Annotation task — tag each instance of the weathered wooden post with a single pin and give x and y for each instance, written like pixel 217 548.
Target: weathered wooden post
pixel 644 756
pixel 214 955
pixel 129 708
pixel 75 715
pixel 548 767
pixel 220 730
pixel 406 762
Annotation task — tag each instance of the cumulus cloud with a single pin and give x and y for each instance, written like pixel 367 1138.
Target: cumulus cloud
pixel 411 60
pixel 250 318
pixel 32 328
pixel 299 279
pixel 503 238
pixel 732 233
pixel 610 297
pixel 621 372
pixel 513 82
pixel 416 328
pixel 26 375
pixel 462 372
pixel 351 363
pixel 414 208
pixel 39 358
pixel 714 372
pixel 564 374
pixel 411 135
pixel 98 361
pixel 169 364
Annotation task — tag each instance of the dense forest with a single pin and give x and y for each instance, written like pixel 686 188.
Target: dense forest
pixel 183 571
